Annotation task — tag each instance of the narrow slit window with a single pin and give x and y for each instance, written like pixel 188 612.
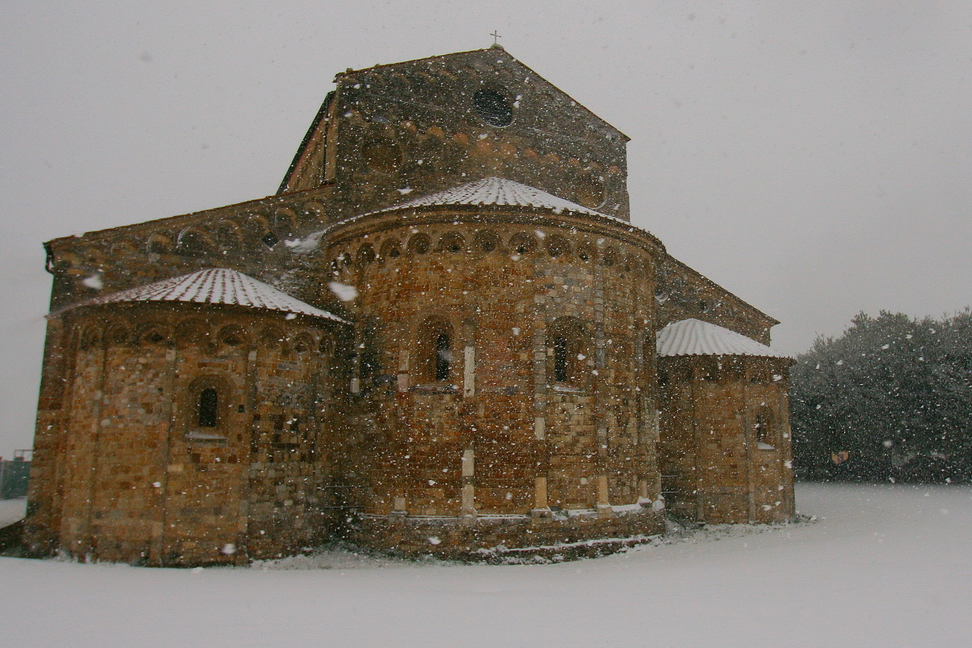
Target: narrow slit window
pixel 764 427
pixel 560 359
pixel 566 343
pixel 208 407
pixel 442 355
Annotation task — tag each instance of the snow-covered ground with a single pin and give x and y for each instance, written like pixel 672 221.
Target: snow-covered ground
pixel 882 566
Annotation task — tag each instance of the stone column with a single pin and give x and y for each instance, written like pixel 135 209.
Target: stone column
pixel 603 503
pixel 468 506
pixel 540 507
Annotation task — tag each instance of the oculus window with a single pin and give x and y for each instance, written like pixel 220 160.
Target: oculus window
pixel 493 107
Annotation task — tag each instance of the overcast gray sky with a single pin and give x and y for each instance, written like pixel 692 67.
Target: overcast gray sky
pixel 813 157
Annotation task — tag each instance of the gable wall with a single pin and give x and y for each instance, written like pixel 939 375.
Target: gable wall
pixel 413 126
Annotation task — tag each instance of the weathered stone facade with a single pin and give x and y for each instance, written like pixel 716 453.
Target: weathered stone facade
pixel 497 383
pixel 725 442
pixel 130 459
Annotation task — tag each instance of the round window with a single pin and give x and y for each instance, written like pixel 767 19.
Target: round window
pixel 493 107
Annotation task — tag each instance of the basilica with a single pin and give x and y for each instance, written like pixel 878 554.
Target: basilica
pixel 442 335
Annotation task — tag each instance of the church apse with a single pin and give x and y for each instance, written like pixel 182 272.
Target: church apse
pixel 442 335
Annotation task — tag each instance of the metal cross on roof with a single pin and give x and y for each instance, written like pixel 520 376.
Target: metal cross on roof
pixel 496 37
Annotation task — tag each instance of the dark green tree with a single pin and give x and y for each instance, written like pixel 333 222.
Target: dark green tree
pixel 890 399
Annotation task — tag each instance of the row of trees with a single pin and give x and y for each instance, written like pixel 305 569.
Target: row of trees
pixel 890 399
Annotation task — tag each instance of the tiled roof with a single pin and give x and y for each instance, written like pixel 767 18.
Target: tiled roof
pixel 695 337
pixel 215 286
pixel 497 191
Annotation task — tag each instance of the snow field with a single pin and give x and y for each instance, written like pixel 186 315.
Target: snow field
pixel 881 566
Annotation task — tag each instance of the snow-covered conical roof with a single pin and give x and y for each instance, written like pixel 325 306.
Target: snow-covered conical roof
pixel 214 286
pixel 497 191
pixel 694 337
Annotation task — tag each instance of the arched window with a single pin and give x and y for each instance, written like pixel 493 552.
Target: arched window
pixel 567 344
pixel 210 407
pixel 435 342
pixel 208 410
pixel 765 432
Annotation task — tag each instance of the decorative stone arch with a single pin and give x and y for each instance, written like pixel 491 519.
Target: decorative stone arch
pixel 191 332
pixel 435 344
pixel 272 337
pixel 334 267
pixel 390 249
pixel 256 225
pixel 315 210
pixel 118 333
pixel 451 242
pixel 284 222
pixel 228 234
pixel 233 336
pixel 486 241
pixel 522 243
pixel 610 256
pixel 419 243
pixel 89 337
pixel 303 342
pixel 258 229
pixel 587 251
pixel 158 243
pixel 194 242
pixel 557 246
pixel 344 259
pixel 568 353
pixel 366 255
pixel 154 334
pixel 327 346
pixel 124 249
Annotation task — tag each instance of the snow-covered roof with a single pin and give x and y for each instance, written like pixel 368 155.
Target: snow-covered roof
pixel 695 337
pixel 215 286
pixel 497 191
pixel 480 193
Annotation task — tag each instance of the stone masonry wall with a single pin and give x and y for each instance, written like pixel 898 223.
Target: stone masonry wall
pixel 683 293
pixel 725 441
pixel 132 475
pixel 500 435
pixel 416 126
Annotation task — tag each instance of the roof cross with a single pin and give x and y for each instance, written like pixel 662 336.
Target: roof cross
pixel 496 37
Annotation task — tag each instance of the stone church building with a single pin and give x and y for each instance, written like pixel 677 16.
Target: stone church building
pixel 442 334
